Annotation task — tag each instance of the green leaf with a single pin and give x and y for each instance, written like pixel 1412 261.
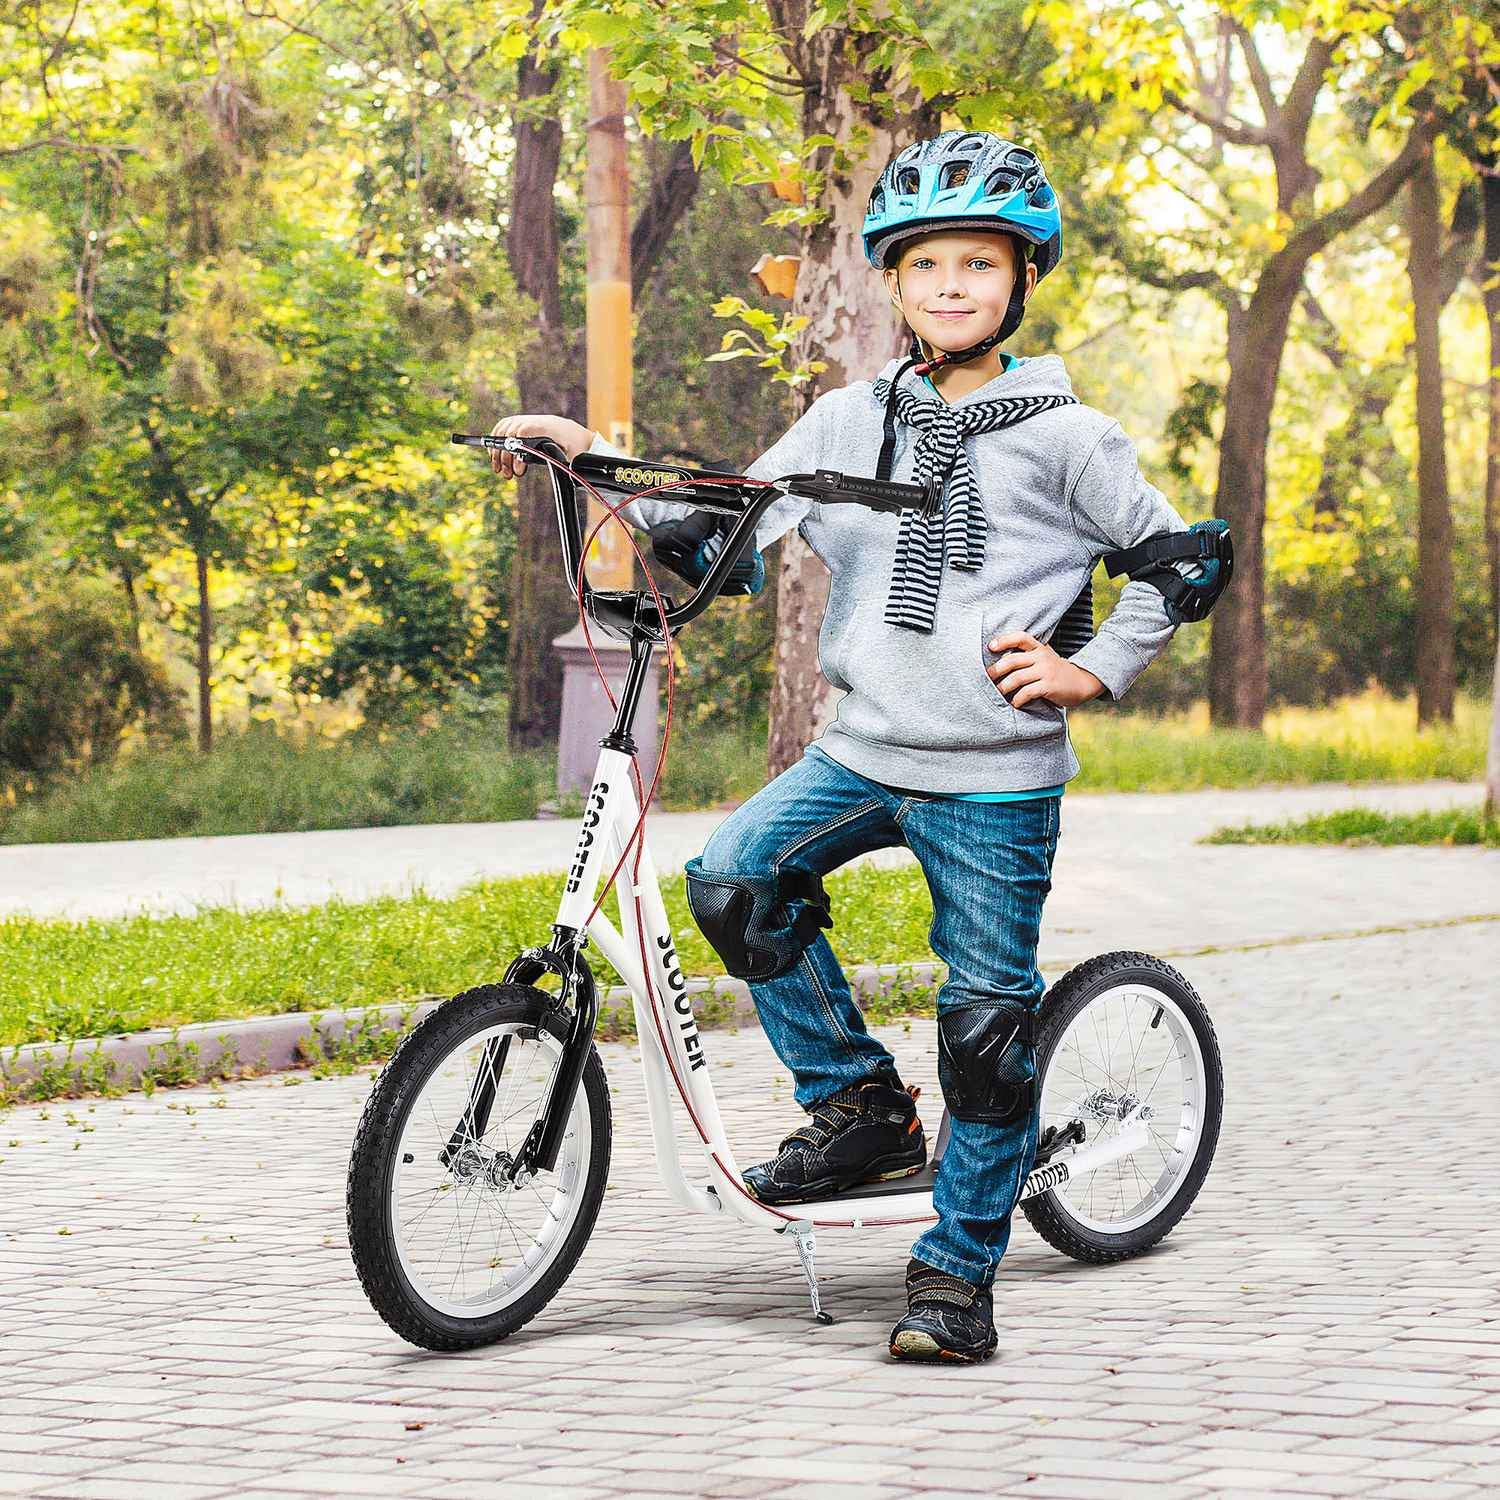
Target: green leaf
pixel 604 28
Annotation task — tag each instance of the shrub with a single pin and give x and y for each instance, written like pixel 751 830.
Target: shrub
pixel 72 680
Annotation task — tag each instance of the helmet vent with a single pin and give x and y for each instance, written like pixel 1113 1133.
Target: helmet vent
pixel 908 181
pixel 1001 181
pixel 1019 156
pixel 969 144
pixel 877 202
pixel 955 174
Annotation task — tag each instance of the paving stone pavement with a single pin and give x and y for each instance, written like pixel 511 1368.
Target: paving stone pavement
pixel 183 1321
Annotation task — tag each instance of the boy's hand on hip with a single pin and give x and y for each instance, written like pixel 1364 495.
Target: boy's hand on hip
pixel 1030 669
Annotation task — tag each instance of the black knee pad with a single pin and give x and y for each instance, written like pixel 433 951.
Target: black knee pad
pixel 987 1061
pixel 749 920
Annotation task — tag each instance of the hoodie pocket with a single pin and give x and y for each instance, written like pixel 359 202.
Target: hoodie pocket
pixel 908 688
pixel 1038 718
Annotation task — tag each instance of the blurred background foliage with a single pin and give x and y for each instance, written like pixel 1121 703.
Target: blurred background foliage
pixel 251 275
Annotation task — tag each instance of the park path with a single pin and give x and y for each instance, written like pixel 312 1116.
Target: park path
pixel 183 1321
pixel 182 1318
pixel 1128 873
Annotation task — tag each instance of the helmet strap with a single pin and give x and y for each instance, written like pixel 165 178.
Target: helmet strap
pixel 888 441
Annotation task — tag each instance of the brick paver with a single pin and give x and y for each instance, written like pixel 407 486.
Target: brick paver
pixel 183 1319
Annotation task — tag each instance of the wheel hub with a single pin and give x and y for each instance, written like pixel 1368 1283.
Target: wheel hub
pixel 1111 1104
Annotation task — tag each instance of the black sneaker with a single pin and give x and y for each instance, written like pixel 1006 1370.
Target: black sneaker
pixel 866 1132
pixel 947 1317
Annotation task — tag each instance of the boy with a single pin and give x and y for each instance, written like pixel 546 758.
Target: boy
pixel 952 734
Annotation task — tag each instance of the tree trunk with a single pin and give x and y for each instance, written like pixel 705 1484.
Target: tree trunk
pixel 1492 770
pixel 541 607
pixel 205 641
pixel 1489 279
pixel 132 602
pixel 549 378
pixel 1237 676
pixel 1434 655
pixel 849 325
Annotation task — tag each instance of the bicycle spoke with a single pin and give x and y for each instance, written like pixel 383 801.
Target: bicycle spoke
pixel 1110 1060
pixel 476 1238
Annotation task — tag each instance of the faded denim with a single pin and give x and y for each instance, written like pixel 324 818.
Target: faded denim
pixel 988 866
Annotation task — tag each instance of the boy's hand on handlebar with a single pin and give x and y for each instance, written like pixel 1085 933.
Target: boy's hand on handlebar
pixel 1031 669
pixel 572 437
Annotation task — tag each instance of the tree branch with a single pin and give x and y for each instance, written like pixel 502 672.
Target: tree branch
pixel 1374 195
pixel 731 54
pixel 1296 113
pixel 1200 77
pixel 1260 79
pixel 1182 281
pixel 1237 132
pixel 673 188
pixel 64 144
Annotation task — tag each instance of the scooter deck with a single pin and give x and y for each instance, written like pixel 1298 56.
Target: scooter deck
pixel 918 1182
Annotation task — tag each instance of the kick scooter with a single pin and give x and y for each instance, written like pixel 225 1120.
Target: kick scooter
pixel 480 1160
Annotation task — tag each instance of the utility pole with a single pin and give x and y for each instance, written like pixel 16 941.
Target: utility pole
pixel 586 711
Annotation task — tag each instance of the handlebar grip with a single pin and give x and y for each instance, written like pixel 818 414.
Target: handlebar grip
pixel 831 487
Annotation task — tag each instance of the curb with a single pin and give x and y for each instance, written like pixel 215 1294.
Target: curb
pixel 182 1055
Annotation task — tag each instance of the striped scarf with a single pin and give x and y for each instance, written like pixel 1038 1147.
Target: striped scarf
pixel 958 533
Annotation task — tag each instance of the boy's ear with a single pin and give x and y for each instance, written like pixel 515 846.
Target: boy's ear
pixel 893 286
pixel 1030 279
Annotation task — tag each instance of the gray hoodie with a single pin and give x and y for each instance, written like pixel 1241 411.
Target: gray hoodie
pixel 1059 491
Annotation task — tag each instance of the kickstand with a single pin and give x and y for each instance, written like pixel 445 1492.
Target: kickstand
pixel 802 1233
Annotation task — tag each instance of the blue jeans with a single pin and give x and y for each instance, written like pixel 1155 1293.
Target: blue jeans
pixel 989 867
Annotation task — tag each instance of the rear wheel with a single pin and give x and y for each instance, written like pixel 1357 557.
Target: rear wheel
pixel 451 1252
pixel 1120 1030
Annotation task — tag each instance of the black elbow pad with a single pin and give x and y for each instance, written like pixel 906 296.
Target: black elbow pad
pixel 1190 591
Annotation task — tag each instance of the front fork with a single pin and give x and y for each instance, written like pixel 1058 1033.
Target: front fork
pixel 476 1116
pixel 562 956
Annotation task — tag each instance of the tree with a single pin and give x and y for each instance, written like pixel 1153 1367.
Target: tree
pixel 72 679
pixel 1363 440
pixel 205 347
pixel 549 371
pixel 1258 274
pixel 1435 678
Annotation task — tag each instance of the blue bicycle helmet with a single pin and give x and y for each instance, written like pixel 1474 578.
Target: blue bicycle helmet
pixel 964 179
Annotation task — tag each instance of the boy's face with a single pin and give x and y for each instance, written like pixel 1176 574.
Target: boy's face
pixel 953 285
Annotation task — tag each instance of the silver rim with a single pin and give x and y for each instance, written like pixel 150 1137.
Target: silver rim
pixel 470 1242
pixel 1111 1058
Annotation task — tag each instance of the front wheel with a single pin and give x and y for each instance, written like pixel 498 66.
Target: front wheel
pixel 451 1252
pixel 1120 1033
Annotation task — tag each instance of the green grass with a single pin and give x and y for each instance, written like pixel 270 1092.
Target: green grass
pixel 1363 825
pixel 1369 738
pixel 261 783
pixel 65 980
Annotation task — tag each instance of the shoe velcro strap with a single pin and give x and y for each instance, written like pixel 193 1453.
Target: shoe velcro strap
pixel 827 1119
pixel 941 1287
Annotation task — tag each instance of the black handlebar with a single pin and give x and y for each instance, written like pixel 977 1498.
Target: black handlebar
pixel 627 613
